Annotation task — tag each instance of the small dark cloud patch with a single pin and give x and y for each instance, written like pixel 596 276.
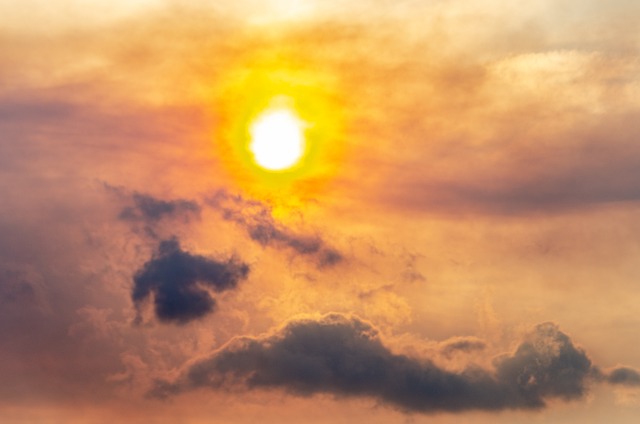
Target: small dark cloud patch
pixel 16 291
pixel 148 208
pixel 151 216
pixel 623 376
pixel 181 283
pixel 461 345
pixel 19 289
pixel 261 227
pixel 345 357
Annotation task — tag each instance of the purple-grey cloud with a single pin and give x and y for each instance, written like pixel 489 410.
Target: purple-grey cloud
pixel 344 356
pixel 256 218
pixel 181 283
pixel 461 344
pixel 150 209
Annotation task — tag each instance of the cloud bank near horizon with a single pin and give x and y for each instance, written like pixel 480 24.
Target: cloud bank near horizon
pixel 345 357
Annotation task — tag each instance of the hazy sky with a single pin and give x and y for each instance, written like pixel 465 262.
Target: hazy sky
pixel 460 244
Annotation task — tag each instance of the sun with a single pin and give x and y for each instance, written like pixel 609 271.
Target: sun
pixel 277 139
pixel 279 128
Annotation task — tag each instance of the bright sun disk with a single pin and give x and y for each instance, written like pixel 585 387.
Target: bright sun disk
pixel 277 139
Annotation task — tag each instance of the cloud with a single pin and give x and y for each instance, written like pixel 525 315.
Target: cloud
pixel 17 109
pixel 261 227
pixel 427 128
pixel 619 376
pixel 149 209
pixel 461 344
pixel 148 215
pixel 546 364
pixel 540 150
pixel 181 283
pixel 345 356
pixel 12 292
pixel 625 376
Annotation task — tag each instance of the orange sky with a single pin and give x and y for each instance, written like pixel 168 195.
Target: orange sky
pixel 459 245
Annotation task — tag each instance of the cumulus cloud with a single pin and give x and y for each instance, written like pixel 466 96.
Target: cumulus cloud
pixel 181 283
pixel 546 364
pixel 346 357
pixel 260 225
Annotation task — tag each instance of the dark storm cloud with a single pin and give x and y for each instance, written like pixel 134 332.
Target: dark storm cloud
pixel 260 225
pixel 181 283
pixel 148 208
pixel 344 356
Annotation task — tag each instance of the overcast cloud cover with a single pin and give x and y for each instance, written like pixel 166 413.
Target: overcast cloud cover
pixel 465 247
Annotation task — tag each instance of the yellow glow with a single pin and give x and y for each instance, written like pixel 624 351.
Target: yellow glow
pixel 278 94
pixel 277 139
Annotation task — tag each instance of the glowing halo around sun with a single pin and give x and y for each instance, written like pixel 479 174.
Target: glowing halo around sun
pixel 279 127
pixel 277 139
